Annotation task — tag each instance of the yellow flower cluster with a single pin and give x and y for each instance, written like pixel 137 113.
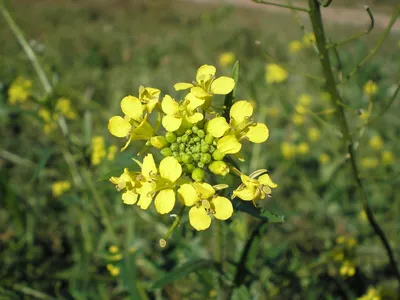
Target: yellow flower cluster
pixel 275 74
pixel 20 90
pixel 372 294
pixel 196 140
pixel 344 252
pixel 63 107
pixel 387 158
pixel 307 41
pixel 370 88
pixel 99 151
pixel 226 59
pixel 60 187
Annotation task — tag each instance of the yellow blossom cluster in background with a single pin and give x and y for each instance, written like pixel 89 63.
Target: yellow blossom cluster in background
pixel 275 74
pixel 64 108
pixel 197 139
pixel 60 187
pixel 307 41
pixel 372 294
pixel 19 91
pixel 226 59
pixel 383 157
pixel 343 253
pixel 99 151
pixel 370 88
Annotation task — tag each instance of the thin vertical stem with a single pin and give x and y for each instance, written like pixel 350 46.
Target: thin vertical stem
pixel 317 24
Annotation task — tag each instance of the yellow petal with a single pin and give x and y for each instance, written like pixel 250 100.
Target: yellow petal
pixel 149 166
pixel 132 107
pixel 222 85
pixel 171 123
pixel 195 118
pixel 143 132
pixel 217 127
pixel 258 133
pixel 145 195
pixel 241 110
pixel 188 194
pixel 165 201
pixel 170 169
pixel 223 208
pixel 247 193
pixel 248 181
pixel 266 180
pixel 204 190
pixel 194 102
pixel 205 73
pixel 229 145
pixel 199 219
pixel 151 104
pixel 129 197
pixel 169 105
pixel 119 127
pixel 182 86
pixel 199 92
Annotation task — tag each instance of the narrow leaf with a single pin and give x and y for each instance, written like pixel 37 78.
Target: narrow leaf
pixel 230 98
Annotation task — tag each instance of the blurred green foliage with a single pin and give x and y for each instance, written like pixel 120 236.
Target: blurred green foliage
pixel 96 52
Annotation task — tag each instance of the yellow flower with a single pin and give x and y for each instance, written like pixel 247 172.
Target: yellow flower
pixel 149 97
pixel 98 150
pixel 297 119
pixel 309 39
pixel 114 271
pixel 207 85
pixel 240 127
pixel 314 134
pixel 253 189
pixel 113 249
pixel 288 150
pixel 365 115
pixel 324 158
pixel 177 115
pixel 112 151
pixel 272 111
pixel 369 162
pixel 388 158
pixel 226 59
pixel 159 183
pixel 303 148
pixel 60 187
pixel 376 142
pixel 128 181
pixel 203 201
pixel 133 126
pixel 275 73
pixel 50 124
pixel 305 100
pixel 348 269
pixel 372 294
pixel 295 46
pixel 63 106
pixel 20 90
pixel 370 88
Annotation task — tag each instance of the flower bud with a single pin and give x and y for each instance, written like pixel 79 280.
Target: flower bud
pixel 158 142
pixel 185 138
pixel 217 155
pixel 170 137
pixel 174 147
pixel 201 134
pixel 166 152
pixel 219 168
pixel 195 129
pixel 198 174
pixel 209 139
pixel 204 148
pixel 200 164
pixel 205 158
pixel 186 158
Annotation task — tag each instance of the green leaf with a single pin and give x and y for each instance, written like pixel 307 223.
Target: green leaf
pixel 230 98
pixel 44 158
pixel 241 293
pixel 259 213
pixel 183 271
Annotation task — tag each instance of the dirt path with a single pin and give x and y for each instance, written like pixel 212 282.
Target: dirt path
pixel 334 15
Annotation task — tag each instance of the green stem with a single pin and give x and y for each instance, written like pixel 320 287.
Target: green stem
pixel 282 5
pixel 27 48
pixel 385 33
pixel 318 27
pixel 163 242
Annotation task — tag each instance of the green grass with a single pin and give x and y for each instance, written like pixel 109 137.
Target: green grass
pixel 95 53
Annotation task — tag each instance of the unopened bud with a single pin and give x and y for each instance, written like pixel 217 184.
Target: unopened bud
pixel 166 152
pixel 163 243
pixel 219 168
pixel 158 142
pixel 198 174
pixel 217 155
pixel 170 137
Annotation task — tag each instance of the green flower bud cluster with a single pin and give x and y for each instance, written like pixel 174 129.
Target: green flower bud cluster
pixel 194 149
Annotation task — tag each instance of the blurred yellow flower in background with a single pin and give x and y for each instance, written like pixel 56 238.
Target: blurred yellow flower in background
pixel 305 100
pixel 113 249
pixel 64 107
pixel 60 187
pixel 275 73
pixel 348 269
pixel 324 158
pixel 272 111
pixel 19 91
pixel 388 158
pixel 376 142
pixel 297 119
pixel 372 294
pixel 370 88
pixel 226 59
pixel 112 150
pixel 295 46
pixel 369 162
pixel 314 134
pixel 114 271
pixel 303 148
pixel 309 39
pixel 288 150
pixel 98 150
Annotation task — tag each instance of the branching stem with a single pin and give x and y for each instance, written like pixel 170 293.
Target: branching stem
pixel 282 5
pixel 318 27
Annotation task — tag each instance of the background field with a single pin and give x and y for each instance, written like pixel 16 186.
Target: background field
pixel 95 53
